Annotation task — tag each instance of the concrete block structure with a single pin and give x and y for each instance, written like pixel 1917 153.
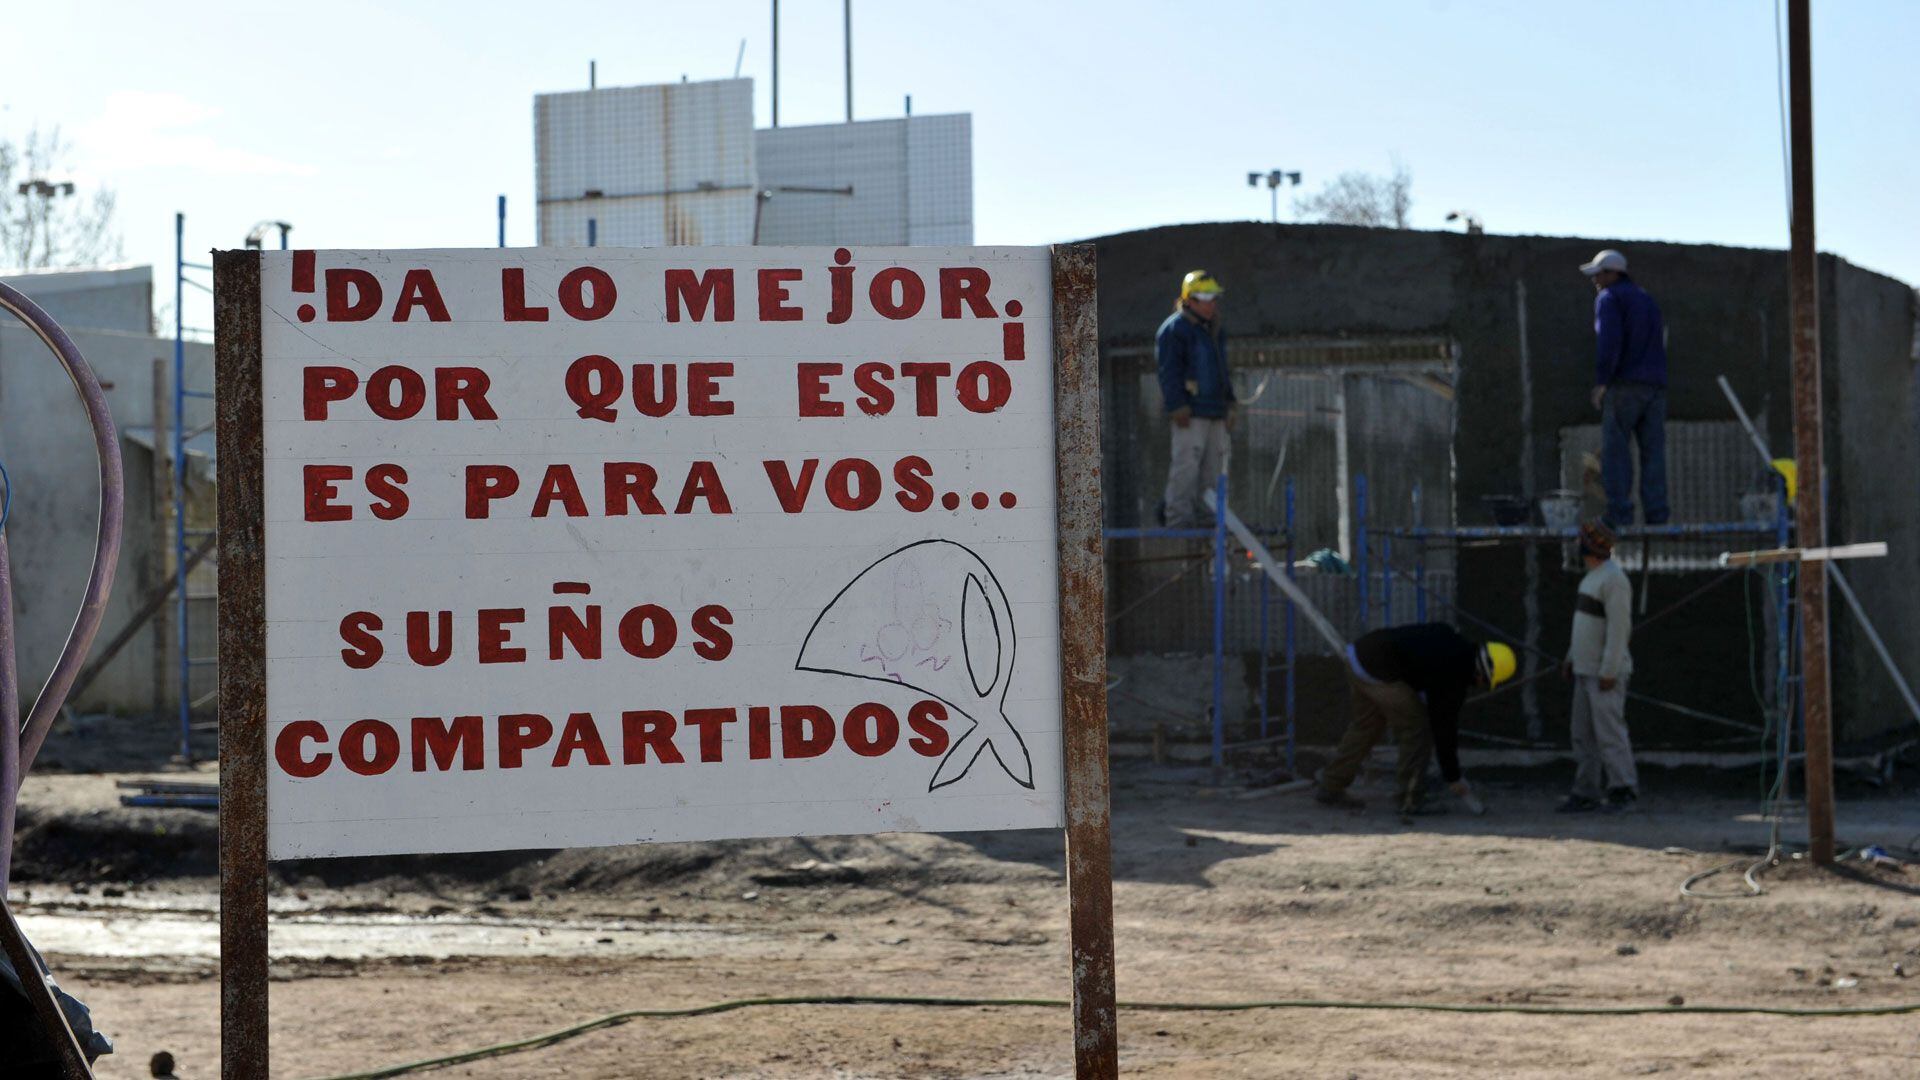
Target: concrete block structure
pixel 48 451
pixel 1464 362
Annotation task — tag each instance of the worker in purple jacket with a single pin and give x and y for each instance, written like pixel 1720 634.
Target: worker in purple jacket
pixel 1629 389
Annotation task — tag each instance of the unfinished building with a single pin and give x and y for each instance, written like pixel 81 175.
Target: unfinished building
pixel 1374 362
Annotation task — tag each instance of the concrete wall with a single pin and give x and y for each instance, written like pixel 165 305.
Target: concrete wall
pixel 118 299
pixel 1726 310
pixel 48 451
pixel 1871 397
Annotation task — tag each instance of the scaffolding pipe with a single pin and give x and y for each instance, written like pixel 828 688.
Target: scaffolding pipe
pixel 1293 651
pixel 1219 621
pixel 1360 562
pixel 180 486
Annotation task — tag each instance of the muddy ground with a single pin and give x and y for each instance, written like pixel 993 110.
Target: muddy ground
pixel 1222 894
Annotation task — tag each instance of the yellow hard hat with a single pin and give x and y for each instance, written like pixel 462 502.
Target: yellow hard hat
pixel 1497 663
pixel 1789 470
pixel 1199 282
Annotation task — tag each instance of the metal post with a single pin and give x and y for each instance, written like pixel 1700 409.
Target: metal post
pixel 1083 662
pixel 159 516
pixel 774 81
pixel 593 232
pixel 1219 623
pixel 1293 656
pixel 1386 580
pixel 243 663
pixel 1266 653
pixel 501 208
pixel 1808 444
pixel 284 230
pixel 1360 564
pixel 846 16
pixel 1419 562
pixel 1782 599
pixel 1342 470
pixel 180 485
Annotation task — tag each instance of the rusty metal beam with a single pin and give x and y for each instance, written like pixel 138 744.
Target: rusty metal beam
pixel 243 699
pixel 1083 659
pixel 1809 513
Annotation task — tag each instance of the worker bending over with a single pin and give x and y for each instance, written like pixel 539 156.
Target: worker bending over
pixel 1599 664
pixel 1412 679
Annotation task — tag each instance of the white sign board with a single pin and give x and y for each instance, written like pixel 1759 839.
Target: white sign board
pixel 569 547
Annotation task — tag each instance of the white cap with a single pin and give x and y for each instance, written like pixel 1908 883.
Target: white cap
pixel 1608 259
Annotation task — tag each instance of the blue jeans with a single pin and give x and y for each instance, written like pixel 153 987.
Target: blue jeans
pixel 1638 412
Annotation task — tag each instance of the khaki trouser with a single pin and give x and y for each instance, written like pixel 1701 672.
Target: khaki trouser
pixel 1377 707
pixel 1602 753
pixel 1200 453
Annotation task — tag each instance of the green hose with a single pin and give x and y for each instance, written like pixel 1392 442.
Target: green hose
pixel 611 1019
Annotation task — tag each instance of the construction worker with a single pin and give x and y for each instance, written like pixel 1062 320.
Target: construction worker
pixel 1412 679
pixel 1198 396
pixel 1629 389
pixel 1598 664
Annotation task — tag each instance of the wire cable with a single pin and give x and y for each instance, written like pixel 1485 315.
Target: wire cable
pixel 611 1019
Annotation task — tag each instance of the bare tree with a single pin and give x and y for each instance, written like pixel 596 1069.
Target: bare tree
pixel 1359 198
pixel 45 220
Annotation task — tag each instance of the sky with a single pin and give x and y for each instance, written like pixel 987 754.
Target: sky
pixel 396 124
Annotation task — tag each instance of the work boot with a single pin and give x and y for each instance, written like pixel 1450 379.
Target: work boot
pixel 1620 800
pixel 1577 804
pixel 1340 798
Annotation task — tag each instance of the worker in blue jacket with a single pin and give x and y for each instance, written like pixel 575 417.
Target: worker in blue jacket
pixel 1198 395
pixel 1629 389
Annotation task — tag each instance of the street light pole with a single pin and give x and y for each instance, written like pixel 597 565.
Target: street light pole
pixel 1273 178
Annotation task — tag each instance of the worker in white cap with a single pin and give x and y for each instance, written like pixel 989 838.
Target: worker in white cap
pixel 1629 389
pixel 1197 393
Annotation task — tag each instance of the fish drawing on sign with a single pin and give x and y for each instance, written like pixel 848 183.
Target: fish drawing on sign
pixel 931 617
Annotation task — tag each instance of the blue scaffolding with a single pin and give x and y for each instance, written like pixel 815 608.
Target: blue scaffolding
pixel 183 601
pixel 1374 570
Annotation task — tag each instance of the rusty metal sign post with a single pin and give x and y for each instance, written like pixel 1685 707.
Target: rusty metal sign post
pixel 244 759
pixel 1083 659
pixel 1808 437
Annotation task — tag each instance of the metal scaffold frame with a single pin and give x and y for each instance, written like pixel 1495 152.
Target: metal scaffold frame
pixel 185 554
pixel 1375 570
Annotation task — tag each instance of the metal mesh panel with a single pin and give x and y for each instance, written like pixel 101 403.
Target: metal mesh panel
pixel 652 165
pixel 1713 475
pixel 1399 431
pixel 900 181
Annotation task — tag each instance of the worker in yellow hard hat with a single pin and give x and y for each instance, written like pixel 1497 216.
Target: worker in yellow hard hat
pixel 1197 393
pixel 1598 664
pixel 1412 680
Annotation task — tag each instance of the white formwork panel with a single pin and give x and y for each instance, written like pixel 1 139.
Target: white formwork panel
pixel 664 164
pixel 881 160
pixel 721 218
pixel 940 180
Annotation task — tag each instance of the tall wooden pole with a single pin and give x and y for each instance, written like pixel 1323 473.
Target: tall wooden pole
pixel 1807 440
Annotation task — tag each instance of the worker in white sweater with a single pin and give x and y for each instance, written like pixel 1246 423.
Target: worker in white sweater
pixel 1598 664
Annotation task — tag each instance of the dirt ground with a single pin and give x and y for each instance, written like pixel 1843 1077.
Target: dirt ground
pixel 1221 895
